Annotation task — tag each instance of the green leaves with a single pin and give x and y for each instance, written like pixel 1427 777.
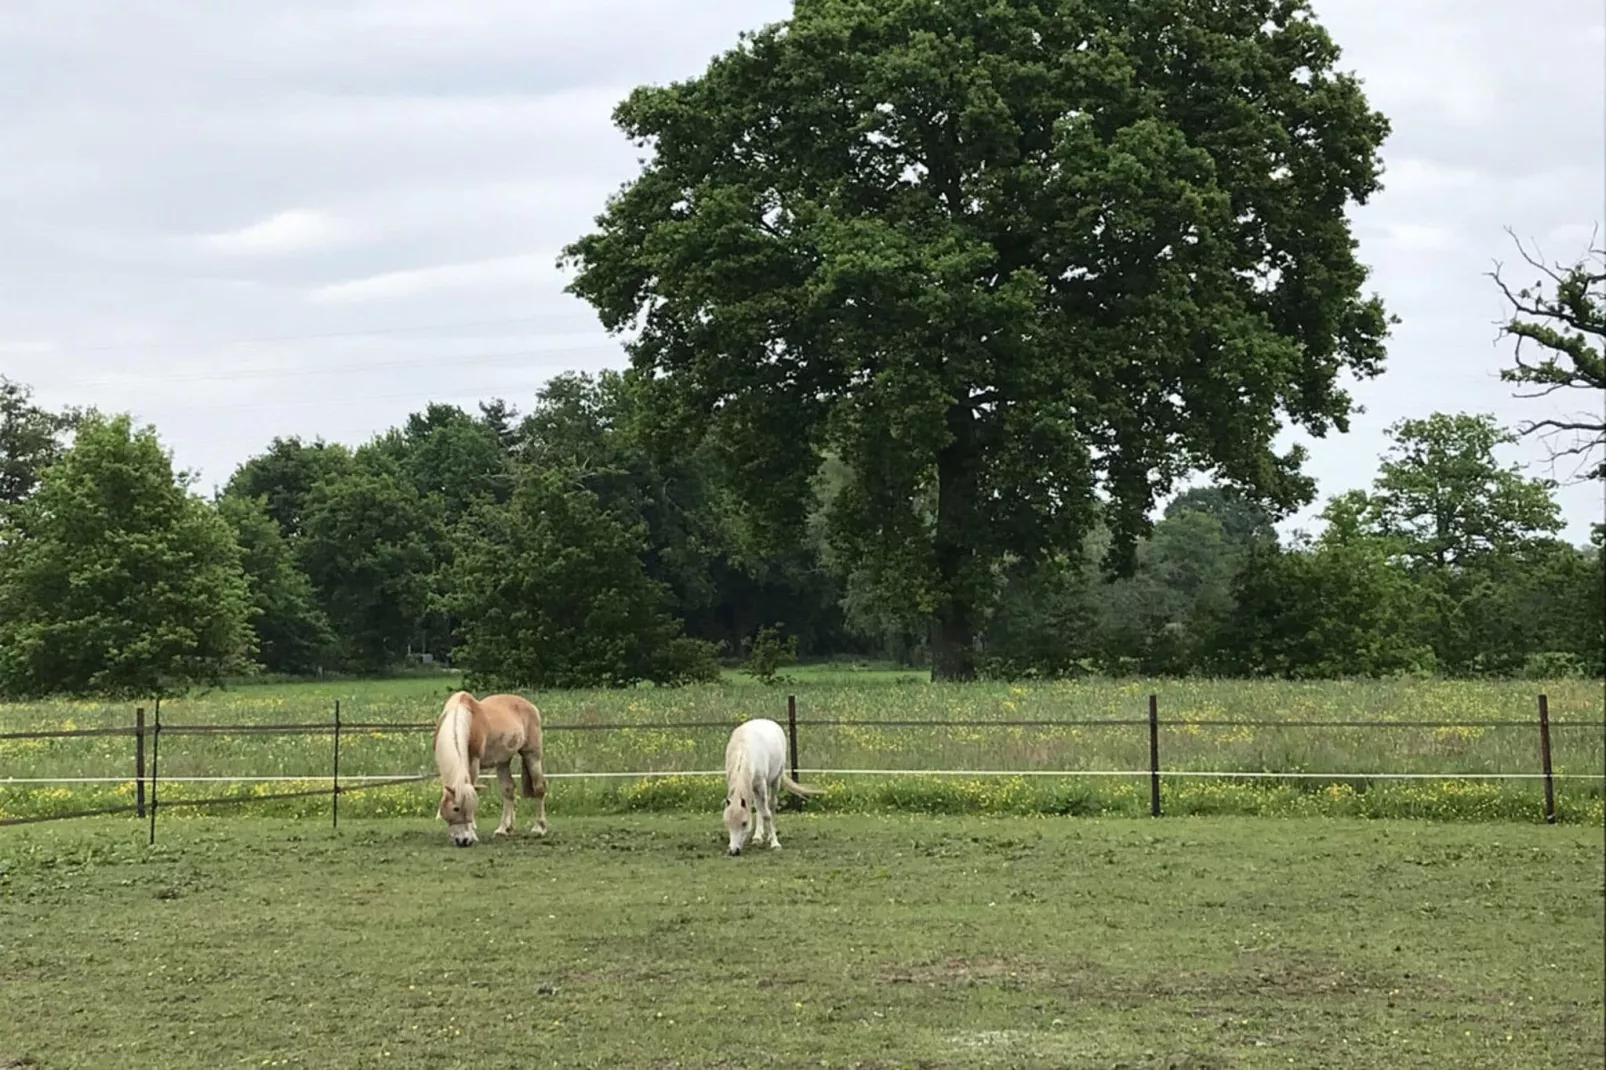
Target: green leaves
pixel 1442 492
pixel 115 580
pixel 995 256
pixel 370 543
pixel 30 439
pixel 551 592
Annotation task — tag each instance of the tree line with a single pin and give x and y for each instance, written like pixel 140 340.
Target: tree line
pixel 553 549
pixel 928 308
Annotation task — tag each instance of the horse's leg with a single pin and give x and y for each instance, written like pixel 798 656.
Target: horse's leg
pixel 771 790
pixel 536 778
pixel 761 811
pixel 504 773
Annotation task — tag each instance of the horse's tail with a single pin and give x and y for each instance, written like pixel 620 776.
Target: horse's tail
pixel 798 789
pixel 530 776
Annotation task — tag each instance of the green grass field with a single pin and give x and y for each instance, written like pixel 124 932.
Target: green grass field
pixel 1338 757
pixel 867 941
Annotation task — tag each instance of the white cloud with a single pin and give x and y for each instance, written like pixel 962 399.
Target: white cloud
pixel 293 231
pixel 509 272
pixel 186 175
pixel 1420 237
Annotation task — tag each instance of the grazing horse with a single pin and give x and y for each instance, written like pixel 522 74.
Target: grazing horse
pixel 755 767
pixel 490 731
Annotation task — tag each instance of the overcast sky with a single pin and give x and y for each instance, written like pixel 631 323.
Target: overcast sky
pixel 241 219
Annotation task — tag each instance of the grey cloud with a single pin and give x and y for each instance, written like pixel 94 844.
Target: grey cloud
pixel 182 175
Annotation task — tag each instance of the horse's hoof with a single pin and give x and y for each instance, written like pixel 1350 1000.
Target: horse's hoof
pixel 501 832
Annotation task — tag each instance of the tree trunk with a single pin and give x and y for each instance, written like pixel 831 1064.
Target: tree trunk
pixel 953 624
pixel 953 651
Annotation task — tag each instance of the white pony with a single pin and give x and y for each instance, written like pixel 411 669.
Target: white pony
pixel 493 730
pixel 755 766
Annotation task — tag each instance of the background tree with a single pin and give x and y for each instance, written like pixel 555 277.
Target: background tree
pixel 1450 501
pixel 293 636
pixel 1455 514
pixel 114 579
pixel 30 438
pixel 551 592
pixel 451 456
pixel 285 475
pixel 1567 325
pixel 371 545
pixel 1337 606
pixel 996 256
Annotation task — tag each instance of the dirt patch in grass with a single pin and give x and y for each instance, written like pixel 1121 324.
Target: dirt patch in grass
pixel 1085 981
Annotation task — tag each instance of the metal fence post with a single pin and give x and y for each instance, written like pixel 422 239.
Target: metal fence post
pixel 1154 756
pixel 334 796
pixel 1544 759
pixel 156 757
pixel 791 732
pixel 139 761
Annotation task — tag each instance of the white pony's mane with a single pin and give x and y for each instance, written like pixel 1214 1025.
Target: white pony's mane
pixel 739 768
pixel 453 756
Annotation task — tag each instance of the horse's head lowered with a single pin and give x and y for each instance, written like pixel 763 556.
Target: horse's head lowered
pixel 457 809
pixel 736 820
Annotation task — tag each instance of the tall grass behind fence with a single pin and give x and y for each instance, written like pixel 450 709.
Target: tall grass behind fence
pixel 1312 748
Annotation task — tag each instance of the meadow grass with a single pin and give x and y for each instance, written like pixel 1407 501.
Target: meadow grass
pixel 867 941
pixel 1341 754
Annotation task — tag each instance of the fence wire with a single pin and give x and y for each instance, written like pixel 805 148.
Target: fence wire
pixel 345 783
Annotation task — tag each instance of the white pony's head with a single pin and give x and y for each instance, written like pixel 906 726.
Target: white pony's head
pixel 457 809
pixel 736 821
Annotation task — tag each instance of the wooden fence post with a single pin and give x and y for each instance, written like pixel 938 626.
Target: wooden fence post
pixel 1544 759
pixel 334 796
pixel 139 761
pixel 1154 756
pixel 156 758
pixel 791 732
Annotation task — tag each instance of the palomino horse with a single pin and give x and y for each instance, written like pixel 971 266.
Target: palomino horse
pixel 490 731
pixel 755 768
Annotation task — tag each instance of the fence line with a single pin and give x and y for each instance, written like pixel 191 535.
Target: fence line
pixel 1155 772
pixel 645 774
pixel 318 728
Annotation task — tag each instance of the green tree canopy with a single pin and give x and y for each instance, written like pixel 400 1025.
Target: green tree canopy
pixel 371 545
pixel 1337 606
pixel 1003 258
pixel 293 634
pixel 114 579
pixel 551 592
pixel 451 456
pixel 285 474
pixel 1441 490
pixel 30 438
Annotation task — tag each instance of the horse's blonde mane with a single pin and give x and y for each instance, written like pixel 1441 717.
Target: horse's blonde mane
pixel 738 765
pixel 451 743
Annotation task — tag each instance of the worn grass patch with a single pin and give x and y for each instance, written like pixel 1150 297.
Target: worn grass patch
pixel 891 941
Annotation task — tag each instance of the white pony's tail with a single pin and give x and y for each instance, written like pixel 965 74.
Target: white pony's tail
pixel 798 789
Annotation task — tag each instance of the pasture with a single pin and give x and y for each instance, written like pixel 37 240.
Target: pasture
pixel 868 941
pixel 1363 727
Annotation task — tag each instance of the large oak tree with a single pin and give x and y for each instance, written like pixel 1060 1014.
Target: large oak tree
pixel 1018 263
